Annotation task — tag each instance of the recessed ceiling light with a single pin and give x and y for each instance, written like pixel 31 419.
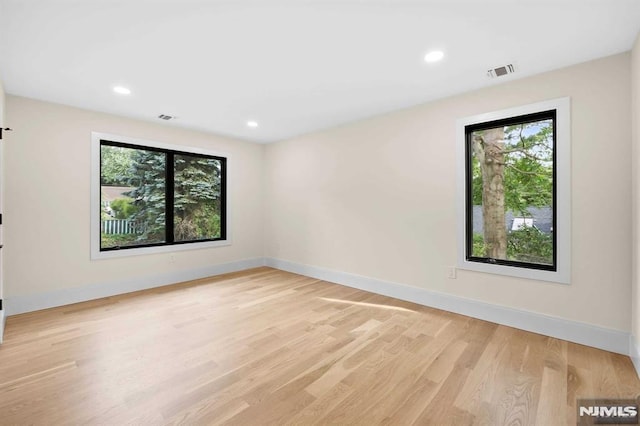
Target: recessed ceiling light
pixel 434 56
pixel 252 123
pixel 122 90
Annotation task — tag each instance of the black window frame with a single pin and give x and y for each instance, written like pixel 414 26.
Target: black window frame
pixel 519 119
pixel 170 195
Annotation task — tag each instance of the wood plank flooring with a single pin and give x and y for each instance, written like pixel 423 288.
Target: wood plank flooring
pixel 269 347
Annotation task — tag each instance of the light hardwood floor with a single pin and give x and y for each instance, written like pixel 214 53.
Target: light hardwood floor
pixel 269 347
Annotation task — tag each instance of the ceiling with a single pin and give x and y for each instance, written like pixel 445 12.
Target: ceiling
pixel 293 66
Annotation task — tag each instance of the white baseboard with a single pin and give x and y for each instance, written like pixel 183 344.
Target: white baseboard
pixel 634 353
pixel 21 304
pixel 2 322
pixel 573 331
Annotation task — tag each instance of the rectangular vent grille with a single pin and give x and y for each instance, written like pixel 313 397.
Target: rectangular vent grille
pixel 500 71
pixel 166 117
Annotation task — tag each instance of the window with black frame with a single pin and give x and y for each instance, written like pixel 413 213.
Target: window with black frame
pixel 155 197
pixel 511 191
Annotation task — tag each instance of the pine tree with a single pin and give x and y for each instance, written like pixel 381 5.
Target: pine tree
pixel 147 176
pixel 197 197
pixel 197 192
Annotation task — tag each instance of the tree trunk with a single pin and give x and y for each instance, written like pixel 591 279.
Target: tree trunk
pixel 488 147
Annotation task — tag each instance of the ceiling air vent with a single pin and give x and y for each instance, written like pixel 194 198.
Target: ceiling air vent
pixel 500 71
pixel 166 117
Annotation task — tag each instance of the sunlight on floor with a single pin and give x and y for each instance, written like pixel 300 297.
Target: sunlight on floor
pixel 369 305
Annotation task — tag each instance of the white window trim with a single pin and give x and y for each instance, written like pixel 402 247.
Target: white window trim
pixel 96 254
pixel 563 192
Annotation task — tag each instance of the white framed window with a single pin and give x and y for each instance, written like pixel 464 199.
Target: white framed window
pixel 149 197
pixel 513 191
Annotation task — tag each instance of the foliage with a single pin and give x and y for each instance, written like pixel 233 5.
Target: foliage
pixel 197 194
pixel 204 223
pixel 479 249
pixel 117 240
pixel 115 165
pixel 528 177
pixel 528 244
pixel 123 208
pixel 197 198
pixel 104 213
pixel 476 182
pixel 147 176
pixel 528 171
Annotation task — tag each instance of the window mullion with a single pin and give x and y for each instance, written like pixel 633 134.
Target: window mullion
pixel 169 197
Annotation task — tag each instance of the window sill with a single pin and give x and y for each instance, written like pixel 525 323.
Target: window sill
pixel 96 254
pixel 560 277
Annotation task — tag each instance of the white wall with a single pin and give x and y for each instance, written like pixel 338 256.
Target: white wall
pixel 377 198
pixel 47 203
pixel 635 123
